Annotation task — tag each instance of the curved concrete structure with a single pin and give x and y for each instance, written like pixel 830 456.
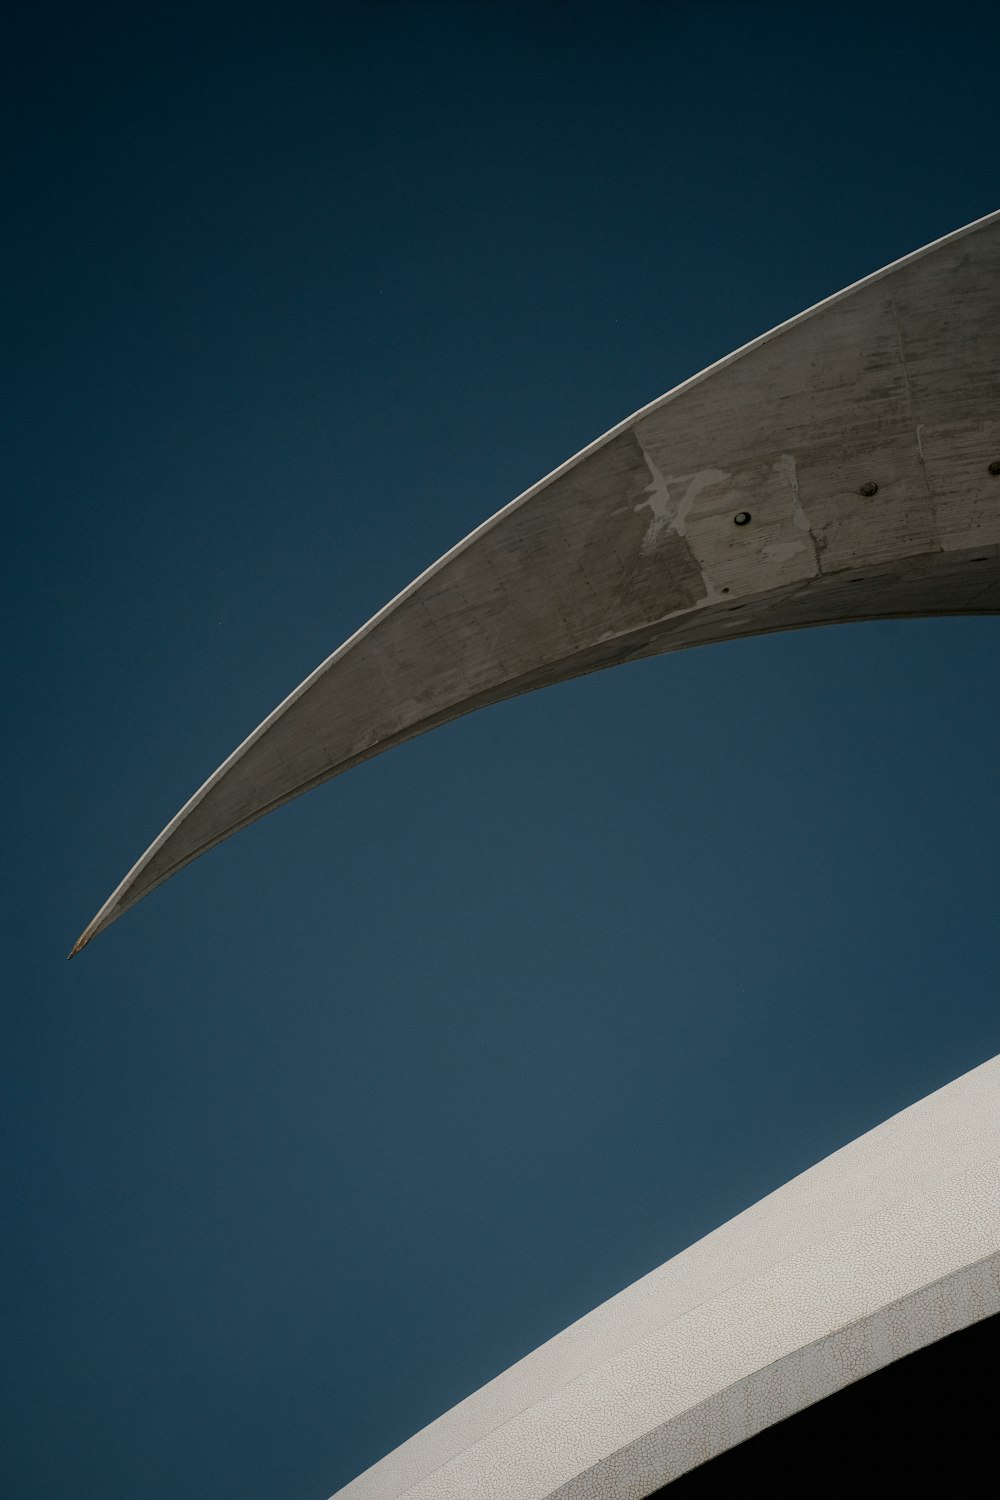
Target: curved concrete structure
pixel 838 468
pixel 884 1247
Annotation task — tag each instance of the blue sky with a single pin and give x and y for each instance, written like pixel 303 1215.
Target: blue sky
pixel 393 1086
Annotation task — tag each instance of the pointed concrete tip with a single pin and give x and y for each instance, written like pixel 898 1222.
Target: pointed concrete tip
pixel 78 946
pixel 85 936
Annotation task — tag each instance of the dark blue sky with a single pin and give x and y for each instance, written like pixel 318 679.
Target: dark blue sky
pixel 391 1087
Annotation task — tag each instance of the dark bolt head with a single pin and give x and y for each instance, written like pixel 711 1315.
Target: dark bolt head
pixel 741 518
pixel 995 466
pixel 869 489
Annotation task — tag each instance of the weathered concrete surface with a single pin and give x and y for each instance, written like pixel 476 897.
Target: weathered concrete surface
pixel 631 549
pixel 884 1247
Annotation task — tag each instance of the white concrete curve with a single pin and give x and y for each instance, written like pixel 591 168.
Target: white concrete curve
pixel 884 1247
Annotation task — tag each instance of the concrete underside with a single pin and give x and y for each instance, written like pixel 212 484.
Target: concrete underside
pixel 885 1247
pixel 631 549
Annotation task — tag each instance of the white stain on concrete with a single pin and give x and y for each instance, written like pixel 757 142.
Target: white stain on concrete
pixel 782 551
pixel 665 515
pixel 786 465
pixel 659 505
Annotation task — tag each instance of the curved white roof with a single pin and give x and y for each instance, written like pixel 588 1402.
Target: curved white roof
pixel 884 1247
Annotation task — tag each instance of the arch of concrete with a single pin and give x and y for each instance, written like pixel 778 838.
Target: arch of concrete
pixel 842 467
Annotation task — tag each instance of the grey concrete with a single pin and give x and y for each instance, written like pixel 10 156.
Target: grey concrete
pixel 884 1247
pixel 631 548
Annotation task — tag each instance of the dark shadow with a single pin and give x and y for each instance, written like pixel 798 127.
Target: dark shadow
pixel 928 1424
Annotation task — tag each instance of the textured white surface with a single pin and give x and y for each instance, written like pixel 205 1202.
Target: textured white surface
pixel 630 549
pixel 885 1246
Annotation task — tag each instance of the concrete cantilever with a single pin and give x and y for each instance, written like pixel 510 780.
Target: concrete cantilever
pixel 884 1247
pixel 839 468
